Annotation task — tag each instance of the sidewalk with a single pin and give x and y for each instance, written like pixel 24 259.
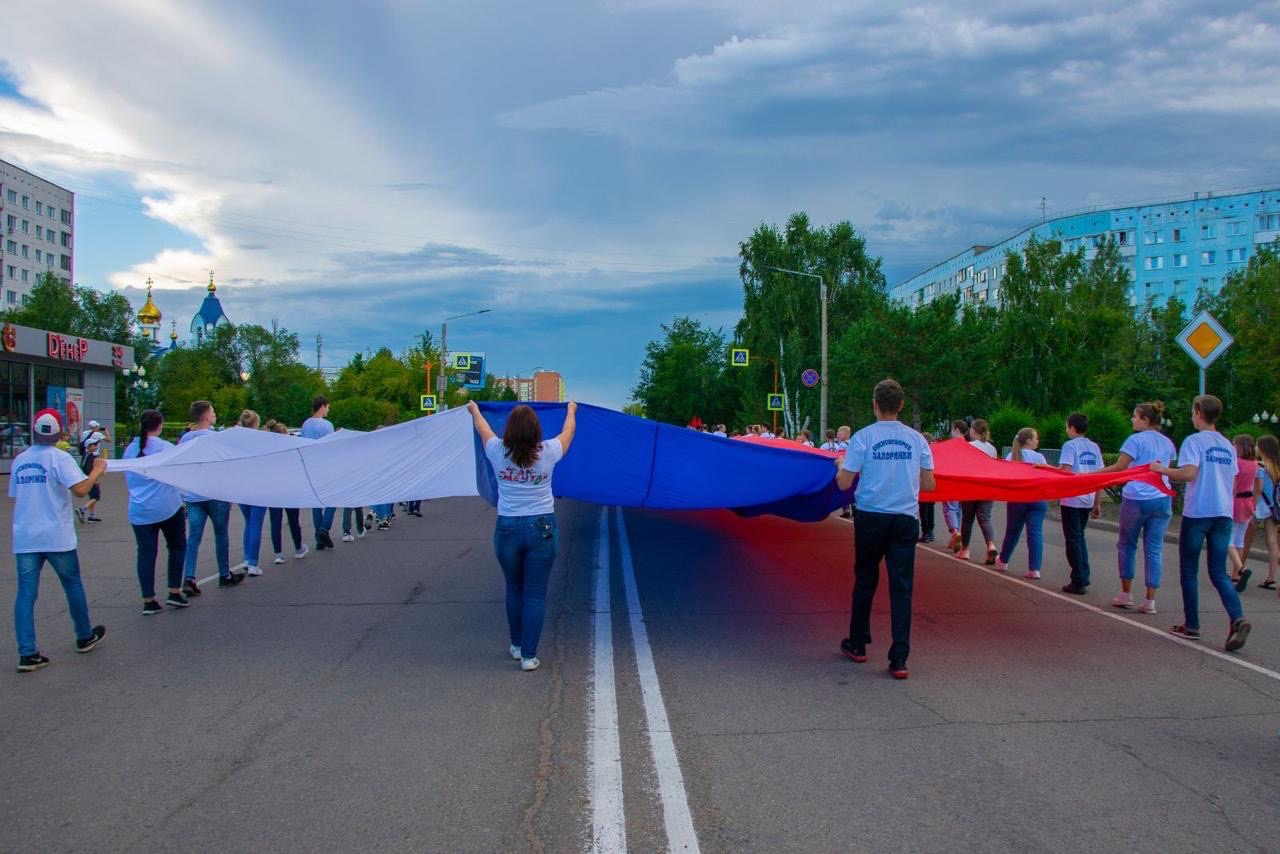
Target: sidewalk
pixel 1110 522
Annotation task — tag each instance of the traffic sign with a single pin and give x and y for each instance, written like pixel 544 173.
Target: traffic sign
pixel 775 403
pixel 462 361
pixel 809 378
pixel 427 402
pixel 468 369
pixel 1204 340
pixel 739 357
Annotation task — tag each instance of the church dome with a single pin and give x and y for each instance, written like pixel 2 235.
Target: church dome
pixel 149 314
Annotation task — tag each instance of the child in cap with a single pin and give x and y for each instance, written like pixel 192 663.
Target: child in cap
pixel 92 446
pixel 43 531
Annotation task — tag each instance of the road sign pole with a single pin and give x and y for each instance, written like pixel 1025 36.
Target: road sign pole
pixel 1202 381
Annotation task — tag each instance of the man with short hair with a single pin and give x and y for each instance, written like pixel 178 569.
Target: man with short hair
pixel 42 481
pixel 892 463
pixel 200 508
pixel 317 427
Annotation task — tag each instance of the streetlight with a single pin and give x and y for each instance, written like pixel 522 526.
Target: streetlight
pixel 442 382
pixel 1266 418
pixel 822 297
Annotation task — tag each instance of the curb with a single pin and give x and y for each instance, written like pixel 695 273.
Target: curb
pixel 1170 536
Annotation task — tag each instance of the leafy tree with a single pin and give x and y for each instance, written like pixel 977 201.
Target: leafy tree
pixel 634 408
pixel 686 374
pixel 362 413
pixel 1248 306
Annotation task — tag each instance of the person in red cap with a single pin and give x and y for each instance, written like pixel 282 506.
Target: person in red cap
pixel 43 530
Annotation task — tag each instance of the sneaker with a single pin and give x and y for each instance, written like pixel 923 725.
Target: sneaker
pixel 27 663
pixel 529 663
pixel 1239 634
pixel 515 652
pixel 1000 565
pixel 99 632
pixel 279 559
pixel 1243 581
pixel 417 513
pixel 855 651
pixel 302 552
pixel 151 607
pixel 177 600
pixel 190 588
pixel 1148 606
pixel 230 580
pixel 80 515
pixel 1123 600
pixel 347 538
pixel 1075 589
pixel 384 525
pixel 368 520
pixel 252 569
pixel 93 519
pixel 323 540
pixel 898 669
pixel 1031 573
pixel 360 533
pixel 963 554
pixel 1190 634
pixel 954 545
pixel 992 555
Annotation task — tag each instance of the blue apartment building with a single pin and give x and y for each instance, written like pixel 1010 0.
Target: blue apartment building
pixel 1172 248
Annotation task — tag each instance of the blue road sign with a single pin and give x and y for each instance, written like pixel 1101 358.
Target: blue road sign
pixel 427 402
pixel 809 378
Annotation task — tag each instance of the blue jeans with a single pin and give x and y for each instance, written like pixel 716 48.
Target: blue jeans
pixel 1196 534
pixel 1031 516
pixel 322 518
pixel 295 528
pixel 951 515
pixel 217 512
pixel 67 565
pixel 253 519
pixel 346 519
pixel 148 538
pixel 526 549
pixel 382 511
pixel 1151 517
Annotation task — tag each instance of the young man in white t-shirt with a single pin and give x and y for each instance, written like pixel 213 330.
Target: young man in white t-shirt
pixel 1207 463
pixel 41 483
pixel 1080 455
pixel 842 446
pixel 892 464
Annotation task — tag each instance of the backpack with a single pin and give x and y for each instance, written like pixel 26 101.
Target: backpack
pixel 1274 502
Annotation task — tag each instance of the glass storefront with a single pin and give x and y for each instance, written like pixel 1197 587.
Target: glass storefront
pixel 58 388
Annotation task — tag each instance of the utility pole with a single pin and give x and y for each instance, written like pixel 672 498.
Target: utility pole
pixel 319 348
pixel 1044 217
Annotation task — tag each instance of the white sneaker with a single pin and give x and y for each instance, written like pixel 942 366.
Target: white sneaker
pixel 347 538
pixel 1148 606
pixel 1031 573
pixel 279 558
pixel 360 533
pixel 529 663
pixel 1123 600
pixel 963 554
pixel 515 652
pixel 1001 566
pixel 302 552
pixel 252 569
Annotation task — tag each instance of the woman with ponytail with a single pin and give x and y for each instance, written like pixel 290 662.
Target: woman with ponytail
pixel 1265 514
pixel 277 515
pixel 253 515
pixel 154 509
pixel 979 510
pixel 1028 514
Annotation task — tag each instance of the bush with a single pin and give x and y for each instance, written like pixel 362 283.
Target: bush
pixel 1108 426
pixel 1005 423
pixel 362 413
pixel 1052 430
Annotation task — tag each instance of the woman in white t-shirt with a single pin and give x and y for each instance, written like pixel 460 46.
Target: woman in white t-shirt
pixel 1028 514
pixel 1268 475
pixel 525 537
pixel 1144 510
pixel 979 510
pixel 1207 463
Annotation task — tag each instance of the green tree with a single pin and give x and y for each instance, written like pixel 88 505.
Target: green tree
pixel 1248 307
pixel 685 374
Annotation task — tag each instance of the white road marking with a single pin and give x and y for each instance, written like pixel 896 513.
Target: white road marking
pixel 1110 615
pixel 675 802
pixel 608 819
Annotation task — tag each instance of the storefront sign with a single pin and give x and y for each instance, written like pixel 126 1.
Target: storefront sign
pixel 10 337
pixel 67 348
pixel 117 355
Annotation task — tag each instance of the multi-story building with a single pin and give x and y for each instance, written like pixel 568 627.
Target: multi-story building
pixel 1172 248
pixel 543 386
pixel 37 234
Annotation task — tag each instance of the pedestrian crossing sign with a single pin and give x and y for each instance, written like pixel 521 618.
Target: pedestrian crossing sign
pixel 775 403
pixel 739 357
pixel 462 361
pixel 428 403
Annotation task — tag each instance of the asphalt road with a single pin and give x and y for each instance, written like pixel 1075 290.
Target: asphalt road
pixel 362 699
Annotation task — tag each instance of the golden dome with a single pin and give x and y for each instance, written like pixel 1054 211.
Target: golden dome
pixel 212 287
pixel 149 315
pixel 173 331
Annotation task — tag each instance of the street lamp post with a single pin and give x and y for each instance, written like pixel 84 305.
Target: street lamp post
pixel 822 297
pixel 442 381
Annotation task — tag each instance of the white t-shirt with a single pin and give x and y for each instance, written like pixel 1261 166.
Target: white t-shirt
pixel 39 484
pixel 315 427
pixel 1147 446
pixel 832 446
pixel 1213 491
pixel 1084 456
pixel 767 435
pixel 1029 457
pixel 191 436
pixel 524 492
pixel 986 448
pixel 150 501
pixel 890 455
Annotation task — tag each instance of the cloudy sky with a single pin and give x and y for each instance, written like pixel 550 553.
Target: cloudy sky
pixel 587 170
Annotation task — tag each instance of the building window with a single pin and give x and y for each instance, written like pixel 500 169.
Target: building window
pixel 1235 255
pixel 49 236
pixel 11 297
pixel 40 207
pixel 26 251
pixel 1155 262
pixel 26 202
pixel 13 197
pixel 1122 237
pixel 39 256
pixel 24 275
pixel 1208 257
pixel 26 226
pixel 1179 287
pixel 66 239
pixel 39 231
pixel 1179 235
pixel 1235 228
pixel 12 222
pixel 65 262
pixel 1154 288
pixel 1206 231
pixel 11 246
pixel 13 272
pixel 66 217
pixel 1268 222
pixel 1153 238
pixel 26 298
pixel 1206 284
pixel 53 212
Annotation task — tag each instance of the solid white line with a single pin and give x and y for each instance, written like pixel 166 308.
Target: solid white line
pixel 608 819
pixel 1119 616
pixel 675 802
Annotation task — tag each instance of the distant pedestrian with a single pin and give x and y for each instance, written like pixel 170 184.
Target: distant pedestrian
pixel 526 535
pixel 1025 514
pixel 720 431
pixel 155 508
pixel 1267 513
pixel 1144 510
pixel 1207 464
pixel 1247 486
pixel 278 514
pixel 843 434
pixel 978 510
pixel 317 427
pixel 830 443
pixel 892 463
pixel 43 530
pixel 201 509
pixel 88 512
pixel 1080 455
pixel 951 514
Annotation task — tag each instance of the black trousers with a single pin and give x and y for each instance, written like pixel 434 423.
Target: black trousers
pixel 1074 521
pixel 890 537
pixel 175 540
pixel 926 518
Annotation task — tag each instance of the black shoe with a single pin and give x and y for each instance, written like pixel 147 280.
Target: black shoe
pixel 150 607
pixel 1239 633
pixel 368 520
pixel 1075 588
pixel 27 663
pixel 415 513
pixel 190 588
pixel 177 600
pixel 1243 581
pixel 323 540
pixel 898 669
pixel 230 580
pixel 845 514
pixel 855 651
pixel 99 632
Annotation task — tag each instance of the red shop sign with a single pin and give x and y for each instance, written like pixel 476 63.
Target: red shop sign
pixel 67 348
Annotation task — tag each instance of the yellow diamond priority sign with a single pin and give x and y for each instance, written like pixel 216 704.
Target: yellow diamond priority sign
pixel 1204 339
